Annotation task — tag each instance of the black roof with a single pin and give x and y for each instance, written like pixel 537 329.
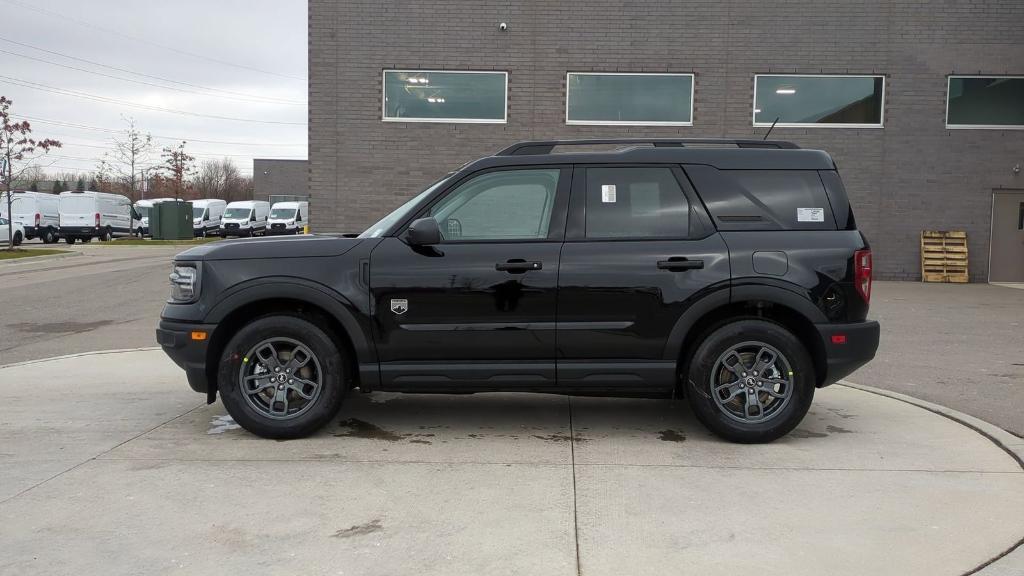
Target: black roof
pixel 725 154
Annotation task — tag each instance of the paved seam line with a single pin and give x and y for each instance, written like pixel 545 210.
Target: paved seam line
pixel 575 514
pixel 1013 454
pixel 90 459
pixel 78 354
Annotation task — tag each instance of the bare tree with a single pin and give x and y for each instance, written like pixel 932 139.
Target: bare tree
pixel 19 152
pixel 126 163
pixel 179 166
pixel 210 181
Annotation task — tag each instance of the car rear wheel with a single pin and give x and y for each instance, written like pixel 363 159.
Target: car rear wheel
pixel 750 381
pixel 49 237
pixel 282 376
pixel 106 235
pixel 17 238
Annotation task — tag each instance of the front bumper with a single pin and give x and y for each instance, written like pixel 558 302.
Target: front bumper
pixel 176 340
pixel 847 347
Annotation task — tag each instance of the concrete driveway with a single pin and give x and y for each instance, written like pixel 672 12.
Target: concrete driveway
pixel 110 465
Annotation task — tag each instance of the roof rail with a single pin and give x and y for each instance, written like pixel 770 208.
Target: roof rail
pixel 546 146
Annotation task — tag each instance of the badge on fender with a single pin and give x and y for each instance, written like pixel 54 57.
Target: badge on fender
pixel 399 306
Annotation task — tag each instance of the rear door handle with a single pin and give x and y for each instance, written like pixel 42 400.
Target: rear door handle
pixel 518 266
pixel 680 264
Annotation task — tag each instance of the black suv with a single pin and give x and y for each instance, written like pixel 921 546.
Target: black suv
pixel 729 271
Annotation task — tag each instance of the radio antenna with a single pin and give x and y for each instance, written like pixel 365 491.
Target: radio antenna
pixel 770 129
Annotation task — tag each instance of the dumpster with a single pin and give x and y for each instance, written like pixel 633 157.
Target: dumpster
pixel 171 220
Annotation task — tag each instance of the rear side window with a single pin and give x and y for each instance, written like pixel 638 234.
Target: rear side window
pixel 764 199
pixel 635 202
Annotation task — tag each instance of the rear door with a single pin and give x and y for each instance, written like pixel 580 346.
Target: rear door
pixel 78 212
pixel 639 252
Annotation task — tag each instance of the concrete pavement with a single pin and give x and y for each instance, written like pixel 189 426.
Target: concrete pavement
pixel 111 465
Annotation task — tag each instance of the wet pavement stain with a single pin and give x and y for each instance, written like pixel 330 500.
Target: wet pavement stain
pixel 360 529
pixel 838 430
pixel 559 438
pixel 420 442
pixel 842 414
pixel 362 429
pixel 800 433
pixel 60 327
pixel 671 436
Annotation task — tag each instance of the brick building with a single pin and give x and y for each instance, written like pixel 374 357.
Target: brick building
pixel 280 179
pixel 866 81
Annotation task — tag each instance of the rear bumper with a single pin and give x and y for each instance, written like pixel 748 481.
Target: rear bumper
pixel 79 231
pixel 176 340
pixel 847 347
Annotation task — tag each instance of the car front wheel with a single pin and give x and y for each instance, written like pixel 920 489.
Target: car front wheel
pixel 750 381
pixel 17 239
pixel 282 376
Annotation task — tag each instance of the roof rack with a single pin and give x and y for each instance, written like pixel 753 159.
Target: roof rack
pixel 546 146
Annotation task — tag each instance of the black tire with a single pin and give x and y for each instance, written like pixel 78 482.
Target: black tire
pixel 49 237
pixel 86 239
pixel 106 235
pixel 69 239
pixel 139 233
pixel 744 423
pixel 17 239
pixel 248 410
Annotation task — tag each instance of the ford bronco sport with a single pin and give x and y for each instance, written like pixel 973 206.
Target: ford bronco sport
pixel 728 271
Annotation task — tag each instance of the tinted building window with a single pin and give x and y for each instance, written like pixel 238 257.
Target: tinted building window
pixel 635 203
pixel 985 102
pixel 637 99
pixel 426 96
pixel 850 101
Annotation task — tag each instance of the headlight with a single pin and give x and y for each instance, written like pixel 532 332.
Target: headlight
pixel 184 283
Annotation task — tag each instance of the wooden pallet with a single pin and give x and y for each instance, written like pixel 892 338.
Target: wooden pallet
pixel 943 256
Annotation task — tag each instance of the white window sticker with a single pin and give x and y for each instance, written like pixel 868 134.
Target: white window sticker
pixel 810 214
pixel 608 193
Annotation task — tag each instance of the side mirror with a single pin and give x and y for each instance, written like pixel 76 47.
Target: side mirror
pixel 423 232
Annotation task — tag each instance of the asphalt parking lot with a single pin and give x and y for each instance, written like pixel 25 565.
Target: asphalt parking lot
pixel 112 456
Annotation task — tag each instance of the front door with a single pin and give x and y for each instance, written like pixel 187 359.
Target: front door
pixel 637 255
pixel 478 309
pixel 1006 263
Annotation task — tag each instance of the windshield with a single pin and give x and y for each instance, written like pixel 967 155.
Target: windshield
pixel 282 213
pixel 401 212
pixel 237 213
pixel 198 211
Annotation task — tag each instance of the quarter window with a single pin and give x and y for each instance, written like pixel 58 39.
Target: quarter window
pixel 827 101
pixel 434 96
pixel 985 102
pixel 507 205
pixel 635 202
pixel 629 99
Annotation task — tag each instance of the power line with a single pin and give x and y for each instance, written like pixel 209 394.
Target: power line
pixel 230 95
pixel 104 99
pixel 146 41
pixel 205 154
pixel 176 138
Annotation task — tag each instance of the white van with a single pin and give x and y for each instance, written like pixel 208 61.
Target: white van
pixel 142 210
pixel 87 215
pixel 245 218
pixel 288 217
pixel 206 216
pixel 37 212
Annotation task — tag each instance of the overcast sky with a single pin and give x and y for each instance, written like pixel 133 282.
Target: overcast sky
pixel 240 59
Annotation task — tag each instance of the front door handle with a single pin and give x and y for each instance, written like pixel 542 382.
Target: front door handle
pixel 680 264
pixel 518 266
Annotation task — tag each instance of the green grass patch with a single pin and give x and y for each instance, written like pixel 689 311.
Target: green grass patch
pixel 147 242
pixel 6 254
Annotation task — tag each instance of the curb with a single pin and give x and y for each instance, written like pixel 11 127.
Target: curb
pixel 43 258
pixel 78 355
pixel 1010 562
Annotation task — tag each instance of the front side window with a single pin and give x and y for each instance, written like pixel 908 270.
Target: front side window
pixel 435 96
pixel 629 99
pixel 827 101
pixel 505 205
pixel 640 202
pixel 985 102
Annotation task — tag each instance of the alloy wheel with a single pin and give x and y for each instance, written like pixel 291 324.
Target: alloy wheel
pixel 280 378
pixel 752 382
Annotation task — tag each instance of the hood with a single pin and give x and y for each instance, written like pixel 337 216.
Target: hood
pixel 308 246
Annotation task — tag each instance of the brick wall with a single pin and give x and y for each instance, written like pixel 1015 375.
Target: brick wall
pixel 273 177
pixel 911 175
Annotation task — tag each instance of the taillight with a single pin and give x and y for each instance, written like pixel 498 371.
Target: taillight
pixel 38 218
pixel 862 273
pixel 97 219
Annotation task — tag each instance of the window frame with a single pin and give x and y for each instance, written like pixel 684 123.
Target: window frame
pixel 753 107
pixel 556 227
pixel 576 224
pixel 384 107
pixel 568 122
pixel 949 81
